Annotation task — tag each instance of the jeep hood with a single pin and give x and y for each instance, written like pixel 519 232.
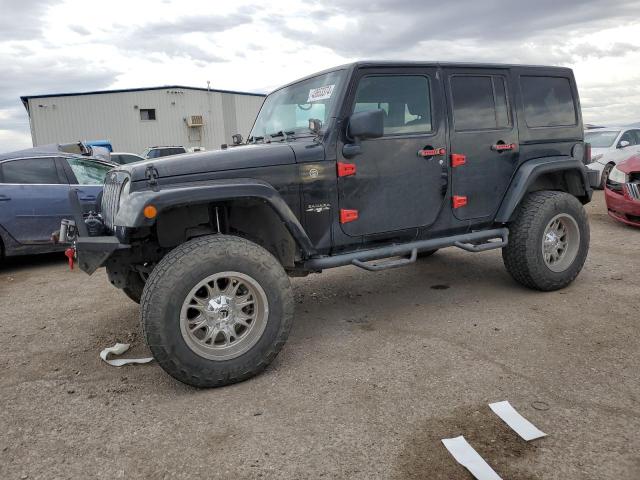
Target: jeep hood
pixel 235 158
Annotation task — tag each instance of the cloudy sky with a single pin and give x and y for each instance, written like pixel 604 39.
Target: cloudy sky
pixel 54 46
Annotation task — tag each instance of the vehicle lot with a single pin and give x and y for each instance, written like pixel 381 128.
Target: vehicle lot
pixel 378 368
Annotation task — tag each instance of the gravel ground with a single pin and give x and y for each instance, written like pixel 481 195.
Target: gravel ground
pixel 378 368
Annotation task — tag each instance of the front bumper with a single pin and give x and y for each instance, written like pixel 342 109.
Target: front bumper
pixel 622 207
pixel 92 252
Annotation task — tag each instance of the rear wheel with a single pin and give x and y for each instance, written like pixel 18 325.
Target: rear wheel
pixel 548 241
pixel 216 310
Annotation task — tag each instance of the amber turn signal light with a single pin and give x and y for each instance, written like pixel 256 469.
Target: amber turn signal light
pixel 150 211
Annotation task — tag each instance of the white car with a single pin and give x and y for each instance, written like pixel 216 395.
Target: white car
pixel 610 146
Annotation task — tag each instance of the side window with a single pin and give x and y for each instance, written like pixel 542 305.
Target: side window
pixel 480 102
pixel 405 100
pixel 88 172
pixel 31 171
pixel 548 101
pixel 631 136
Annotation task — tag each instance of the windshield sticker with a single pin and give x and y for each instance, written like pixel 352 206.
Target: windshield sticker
pixel 320 93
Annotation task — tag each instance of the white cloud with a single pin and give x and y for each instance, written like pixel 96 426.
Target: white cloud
pixel 75 45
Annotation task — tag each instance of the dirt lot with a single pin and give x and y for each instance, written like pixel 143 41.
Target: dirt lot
pixel 378 368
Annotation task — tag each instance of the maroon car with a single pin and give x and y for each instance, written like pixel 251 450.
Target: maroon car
pixel 622 192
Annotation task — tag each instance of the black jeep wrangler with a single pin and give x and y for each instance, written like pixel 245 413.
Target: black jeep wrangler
pixel 371 164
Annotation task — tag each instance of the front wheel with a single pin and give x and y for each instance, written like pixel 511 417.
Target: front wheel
pixel 548 241
pixel 605 174
pixel 216 310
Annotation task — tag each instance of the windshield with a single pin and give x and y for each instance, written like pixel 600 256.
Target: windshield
pixel 289 109
pixel 601 138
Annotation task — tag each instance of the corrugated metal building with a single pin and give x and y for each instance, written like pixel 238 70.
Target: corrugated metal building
pixel 135 119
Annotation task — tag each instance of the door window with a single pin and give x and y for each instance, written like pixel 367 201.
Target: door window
pixel 548 101
pixel 88 172
pixel 30 171
pixel 405 100
pixel 630 136
pixel 480 102
pixel 123 158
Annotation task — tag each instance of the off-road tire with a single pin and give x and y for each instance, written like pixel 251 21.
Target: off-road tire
pixel 171 281
pixel 523 255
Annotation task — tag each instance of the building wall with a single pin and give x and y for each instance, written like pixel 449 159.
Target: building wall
pixel 116 117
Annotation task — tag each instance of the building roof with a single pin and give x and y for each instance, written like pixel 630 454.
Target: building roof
pixel 25 99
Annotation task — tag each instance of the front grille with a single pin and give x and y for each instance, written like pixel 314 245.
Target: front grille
pixel 634 190
pixel 111 197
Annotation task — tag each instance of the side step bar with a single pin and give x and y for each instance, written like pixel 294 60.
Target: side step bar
pixel 472 242
pixel 375 267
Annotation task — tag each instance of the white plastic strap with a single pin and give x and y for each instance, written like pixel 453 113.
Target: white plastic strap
pixel 466 456
pixel 517 422
pixel 119 349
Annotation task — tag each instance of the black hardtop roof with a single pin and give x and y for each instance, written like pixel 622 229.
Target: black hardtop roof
pixel 413 63
pixel 26 98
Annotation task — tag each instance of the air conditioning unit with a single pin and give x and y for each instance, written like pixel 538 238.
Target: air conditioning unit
pixel 195 121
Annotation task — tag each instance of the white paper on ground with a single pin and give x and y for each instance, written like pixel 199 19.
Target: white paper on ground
pixel 119 349
pixel 466 456
pixel 517 422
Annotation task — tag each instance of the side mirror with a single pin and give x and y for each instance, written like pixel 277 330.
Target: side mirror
pixel 623 144
pixel 368 124
pixel 237 139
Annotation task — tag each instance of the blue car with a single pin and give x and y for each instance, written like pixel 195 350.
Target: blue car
pixel 34 196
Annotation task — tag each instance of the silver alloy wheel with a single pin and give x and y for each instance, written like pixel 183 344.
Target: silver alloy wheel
pixel 224 315
pixel 560 242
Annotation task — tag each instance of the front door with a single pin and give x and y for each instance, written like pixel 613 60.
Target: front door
pixel 34 198
pixel 398 181
pixel 484 139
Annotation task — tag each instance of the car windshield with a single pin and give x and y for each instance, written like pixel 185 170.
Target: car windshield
pixel 287 111
pixel 601 138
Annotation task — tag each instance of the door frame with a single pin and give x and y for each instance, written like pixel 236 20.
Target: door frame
pixel 439 127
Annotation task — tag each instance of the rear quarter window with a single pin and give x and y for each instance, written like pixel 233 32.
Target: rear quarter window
pixel 548 101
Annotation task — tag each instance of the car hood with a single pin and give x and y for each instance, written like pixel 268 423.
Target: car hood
pixel 598 151
pixel 630 165
pixel 234 158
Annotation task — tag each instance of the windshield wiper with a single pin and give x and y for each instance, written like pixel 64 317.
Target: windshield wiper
pixel 255 139
pixel 283 134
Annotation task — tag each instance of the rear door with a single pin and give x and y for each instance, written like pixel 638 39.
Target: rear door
pixel 396 185
pixel 484 139
pixel 34 198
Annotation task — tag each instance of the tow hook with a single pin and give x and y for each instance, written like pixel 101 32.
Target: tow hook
pixel 70 253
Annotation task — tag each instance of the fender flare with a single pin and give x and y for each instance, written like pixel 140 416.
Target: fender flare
pixel 529 172
pixel 131 214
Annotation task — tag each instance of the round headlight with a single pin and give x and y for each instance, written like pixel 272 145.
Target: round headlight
pixel 617 176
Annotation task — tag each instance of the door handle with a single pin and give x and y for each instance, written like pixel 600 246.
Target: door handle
pixel 500 146
pixel 4 198
pixel 429 151
pixel 88 198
